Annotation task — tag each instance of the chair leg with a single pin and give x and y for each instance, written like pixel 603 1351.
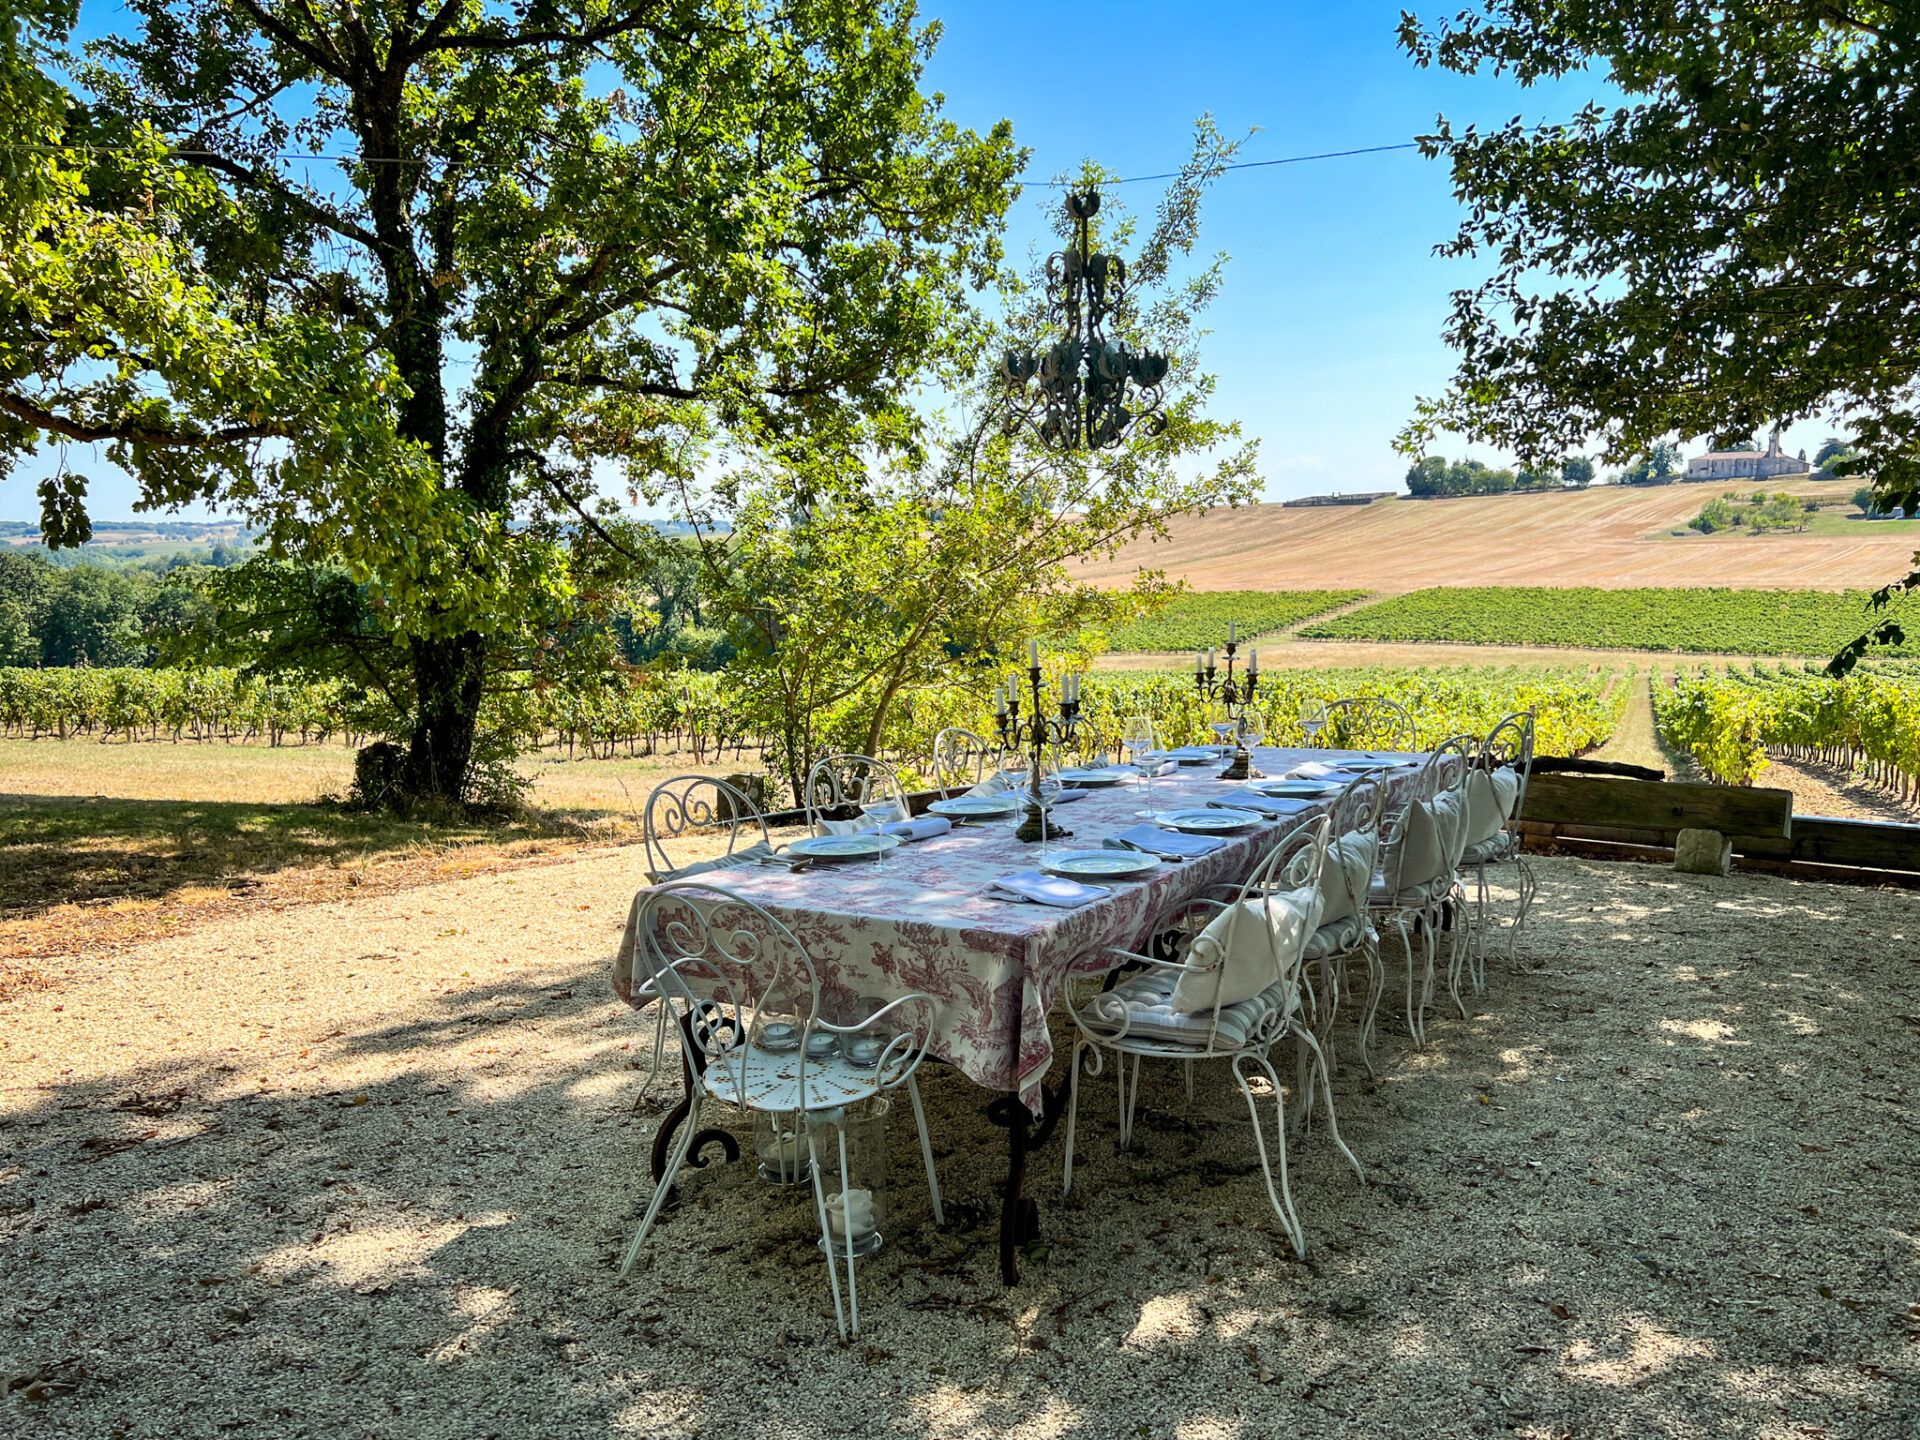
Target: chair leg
pixel 1129 1097
pixel 675 1158
pixel 926 1149
pixel 1406 944
pixel 846 1212
pixel 1376 982
pixel 1457 955
pixel 1326 1087
pixel 1529 887
pixel 1282 1197
pixel 826 1230
pixel 1073 1116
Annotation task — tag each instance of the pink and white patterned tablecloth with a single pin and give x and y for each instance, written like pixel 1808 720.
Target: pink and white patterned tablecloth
pixel 925 922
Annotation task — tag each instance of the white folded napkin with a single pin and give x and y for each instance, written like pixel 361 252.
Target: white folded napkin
pixel 1263 804
pixel 1312 770
pixel 1048 889
pixel 922 827
pixel 994 784
pixel 1166 843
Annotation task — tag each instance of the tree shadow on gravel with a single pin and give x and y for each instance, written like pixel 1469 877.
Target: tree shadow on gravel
pixel 1659 1185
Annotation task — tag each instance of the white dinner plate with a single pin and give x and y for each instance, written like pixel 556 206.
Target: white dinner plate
pixel 974 807
pixel 1101 864
pixel 1092 775
pixel 843 847
pixel 1195 754
pixel 1291 789
pixel 1209 821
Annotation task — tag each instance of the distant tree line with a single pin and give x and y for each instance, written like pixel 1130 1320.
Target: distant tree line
pixel 1757 512
pixel 1431 477
pixel 53 615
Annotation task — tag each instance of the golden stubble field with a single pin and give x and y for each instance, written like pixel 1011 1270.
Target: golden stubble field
pixel 1607 536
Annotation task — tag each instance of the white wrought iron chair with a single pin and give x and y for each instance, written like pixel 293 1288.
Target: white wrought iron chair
pixel 689 804
pixel 961 758
pixel 1151 1015
pixel 1369 722
pixel 839 786
pixel 734 971
pixel 1496 799
pixel 1346 932
pixel 1420 846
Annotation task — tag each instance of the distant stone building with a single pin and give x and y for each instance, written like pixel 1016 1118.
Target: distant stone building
pixel 1747 464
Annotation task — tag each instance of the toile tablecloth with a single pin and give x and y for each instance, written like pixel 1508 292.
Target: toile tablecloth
pixel 993 968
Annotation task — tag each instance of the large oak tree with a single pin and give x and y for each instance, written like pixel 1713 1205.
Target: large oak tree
pixel 1735 245
pixel 425 286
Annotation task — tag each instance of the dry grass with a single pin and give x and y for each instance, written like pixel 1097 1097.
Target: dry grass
pixel 363 1169
pixel 1610 536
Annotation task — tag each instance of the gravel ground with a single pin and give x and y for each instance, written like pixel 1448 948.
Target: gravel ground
pixel 363 1169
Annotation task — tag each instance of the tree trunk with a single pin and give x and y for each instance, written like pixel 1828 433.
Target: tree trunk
pixel 448 677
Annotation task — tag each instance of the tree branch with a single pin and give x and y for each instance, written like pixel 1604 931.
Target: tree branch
pixel 24 409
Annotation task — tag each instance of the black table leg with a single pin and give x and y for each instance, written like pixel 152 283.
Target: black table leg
pixel 676 1117
pixel 1019 1215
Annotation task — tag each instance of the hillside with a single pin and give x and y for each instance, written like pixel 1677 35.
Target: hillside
pixel 1607 536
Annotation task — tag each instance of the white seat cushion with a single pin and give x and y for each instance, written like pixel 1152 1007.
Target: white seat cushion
pixel 1490 797
pixel 1340 937
pixel 1410 897
pixel 1351 861
pixel 1145 1001
pixel 1498 846
pixel 1246 948
pixel 745 855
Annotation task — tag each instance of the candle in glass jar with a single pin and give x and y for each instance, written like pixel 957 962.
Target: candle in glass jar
pixel 851 1213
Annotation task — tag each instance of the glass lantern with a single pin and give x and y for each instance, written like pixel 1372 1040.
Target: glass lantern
pixel 856 1188
pixel 780 1145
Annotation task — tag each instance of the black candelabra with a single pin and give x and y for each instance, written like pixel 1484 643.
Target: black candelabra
pixel 1036 732
pixel 1235 694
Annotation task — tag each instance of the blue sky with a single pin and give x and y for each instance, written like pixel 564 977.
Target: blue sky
pixel 1329 327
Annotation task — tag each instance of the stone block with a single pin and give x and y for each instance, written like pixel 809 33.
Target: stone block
pixel 1702 852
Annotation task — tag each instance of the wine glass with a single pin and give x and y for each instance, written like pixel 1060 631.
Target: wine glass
pixel 1253 727
pixel 883 809
pixel 1140 740
pixel 1016 780
pixel 1313 719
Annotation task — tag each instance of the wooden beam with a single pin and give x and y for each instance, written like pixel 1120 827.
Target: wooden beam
pixel 1874 845
pixel 1665 806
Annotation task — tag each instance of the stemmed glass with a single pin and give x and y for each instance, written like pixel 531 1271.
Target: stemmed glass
pixel 1140 740
pixel 1313 719
pixel 883 810
pixel 1253 727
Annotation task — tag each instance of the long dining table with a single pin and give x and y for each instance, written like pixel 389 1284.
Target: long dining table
pixel 926 919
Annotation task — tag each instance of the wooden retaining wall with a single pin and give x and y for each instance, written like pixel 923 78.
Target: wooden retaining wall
pixel 1640 819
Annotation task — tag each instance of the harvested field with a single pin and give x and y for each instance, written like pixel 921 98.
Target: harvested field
pixel 363 1168
pixel 1608 536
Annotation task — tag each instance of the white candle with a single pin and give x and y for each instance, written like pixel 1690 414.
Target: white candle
pixel 1253 662
pixel 999 700
pixel 1212 654
pixel 1199 662
pixel 857 1201
pixel 1033 653
pixel 1233 631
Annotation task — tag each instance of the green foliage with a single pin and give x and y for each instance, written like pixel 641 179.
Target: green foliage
pixel 847 592
pixel 1659 466
pixel 1749 622
pixel 1198 619
pixel 661 233
pixel 90 614
pixel 1865 501
pixel 1431 477
pixel 1758 513
pixel 1576 710
pixel 1577 472
pixel 1763 266
pixel 1726 721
